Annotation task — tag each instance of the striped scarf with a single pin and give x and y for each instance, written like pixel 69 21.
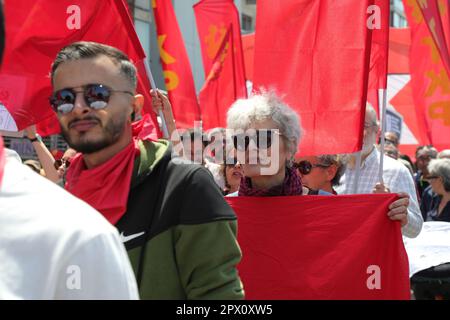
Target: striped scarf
pixel 292 186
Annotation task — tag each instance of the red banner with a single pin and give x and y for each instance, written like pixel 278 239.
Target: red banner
pixel 432 17
pixel 176 67
pixel 215 19
pixel 310 52
pixel 429 78
pixel 36 31
pixel 320 247
pixel 217 86
pixel 379 22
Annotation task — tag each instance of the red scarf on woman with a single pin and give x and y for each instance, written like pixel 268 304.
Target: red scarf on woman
pixel 2 160
pixel 107 186
pixel 292 186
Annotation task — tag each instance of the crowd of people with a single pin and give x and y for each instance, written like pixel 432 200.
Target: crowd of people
pixel 165 230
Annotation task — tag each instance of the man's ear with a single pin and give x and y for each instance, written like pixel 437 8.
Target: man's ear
pixel 138 104
pixel 331 172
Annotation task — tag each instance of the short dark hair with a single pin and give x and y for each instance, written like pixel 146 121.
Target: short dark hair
pixel 85 50
pixel 429 147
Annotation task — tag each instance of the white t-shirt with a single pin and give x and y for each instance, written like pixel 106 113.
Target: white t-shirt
pixel 55 246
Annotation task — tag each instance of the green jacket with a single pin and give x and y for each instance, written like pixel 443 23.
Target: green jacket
pixel 179 231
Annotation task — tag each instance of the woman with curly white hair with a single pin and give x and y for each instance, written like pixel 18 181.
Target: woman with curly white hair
pixel 266 133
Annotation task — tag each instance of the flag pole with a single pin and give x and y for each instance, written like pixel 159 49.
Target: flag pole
pixel 153 85
pixel 383 130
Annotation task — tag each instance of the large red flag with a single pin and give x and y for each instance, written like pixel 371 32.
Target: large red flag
pixel 429 78
pixel 215 20
pixel 217 86
pixel 37 30
pixel 176 67
pixel 321 247
pixel 444 10
pixel 309 51
pixel 379 21
pixel 432 18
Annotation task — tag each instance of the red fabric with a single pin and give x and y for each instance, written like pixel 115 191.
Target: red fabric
pixel 248 47
pixel 214 97
pixel 374 100
pixel 107 186
pixel 445 17
pixel 432 19
pixel 399 43
pixel 176 66
pixel 143 129
pixel 429 79
pixel 37 30
pixel 223 60
pixel 2 160
pixel 310 52
pixel 380 48
pixel 320 247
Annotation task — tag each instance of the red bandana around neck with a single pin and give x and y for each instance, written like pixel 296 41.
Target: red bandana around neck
pixel 291 186
pixel 107 186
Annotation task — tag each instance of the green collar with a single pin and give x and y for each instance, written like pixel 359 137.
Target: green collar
pixel 151 152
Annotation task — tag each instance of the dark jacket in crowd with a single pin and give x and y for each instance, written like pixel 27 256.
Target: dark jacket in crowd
pixel 182 234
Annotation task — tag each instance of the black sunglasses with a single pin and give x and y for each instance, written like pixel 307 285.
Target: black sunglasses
pixel 96 96
pixel 305 166
pixel 58 163
pixel 262 139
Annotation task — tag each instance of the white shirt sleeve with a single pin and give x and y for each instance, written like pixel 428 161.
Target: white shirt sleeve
pixel 98 269
pixel 403 182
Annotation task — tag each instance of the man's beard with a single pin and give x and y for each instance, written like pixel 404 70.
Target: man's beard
pixel 111 134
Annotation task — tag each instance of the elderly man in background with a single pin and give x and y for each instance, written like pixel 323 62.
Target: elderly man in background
pixel 396 178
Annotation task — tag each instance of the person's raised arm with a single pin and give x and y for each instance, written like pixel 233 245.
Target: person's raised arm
pixel 45 157
pixel 161 102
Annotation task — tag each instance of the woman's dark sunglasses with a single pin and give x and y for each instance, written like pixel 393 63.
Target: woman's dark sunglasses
pixel 58 163
pixel 305 167
pixel 262 139
pixel 96 96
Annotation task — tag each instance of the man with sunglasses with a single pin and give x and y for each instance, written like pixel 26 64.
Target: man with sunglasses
pixel 396 178
pixel 52 245
pixel 179 231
